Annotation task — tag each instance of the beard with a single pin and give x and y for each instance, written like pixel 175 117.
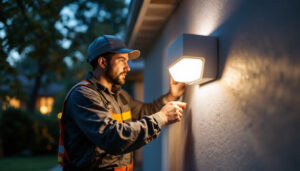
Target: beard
pixel 115 78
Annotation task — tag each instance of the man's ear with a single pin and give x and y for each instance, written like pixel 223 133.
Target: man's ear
pixel 102 62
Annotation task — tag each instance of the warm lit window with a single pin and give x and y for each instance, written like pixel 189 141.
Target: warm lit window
pixel 14 102
pixel 46 104
pixel 11 102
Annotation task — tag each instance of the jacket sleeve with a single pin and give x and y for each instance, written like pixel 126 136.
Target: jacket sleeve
pixel 87 111
pixel 139 109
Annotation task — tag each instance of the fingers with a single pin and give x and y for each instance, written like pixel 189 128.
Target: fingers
pixel 178 116
pixel 173 111
pixel 178 112
pixel 172 81
pixel 182 105
pixel 178 109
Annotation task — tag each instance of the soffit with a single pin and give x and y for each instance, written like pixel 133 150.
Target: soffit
pixel 150 18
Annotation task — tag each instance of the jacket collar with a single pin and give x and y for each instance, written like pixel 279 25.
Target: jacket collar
pixel 115 90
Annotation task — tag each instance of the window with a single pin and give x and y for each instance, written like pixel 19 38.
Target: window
pixel 45 104
pixel 11 102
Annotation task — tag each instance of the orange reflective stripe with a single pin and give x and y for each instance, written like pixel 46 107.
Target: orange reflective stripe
pixel 125 168
pixel 126 115
pixel 118 117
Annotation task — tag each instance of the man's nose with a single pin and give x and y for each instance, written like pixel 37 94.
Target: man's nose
pixel 127 67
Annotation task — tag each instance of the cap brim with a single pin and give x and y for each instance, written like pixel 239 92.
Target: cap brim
pixel 132 54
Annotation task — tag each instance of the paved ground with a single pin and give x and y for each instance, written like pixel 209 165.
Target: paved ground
pixel 56 168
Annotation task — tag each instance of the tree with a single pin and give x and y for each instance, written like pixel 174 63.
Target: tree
pixel 39 30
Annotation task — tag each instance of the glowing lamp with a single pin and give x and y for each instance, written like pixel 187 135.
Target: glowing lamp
pixel 187 69
pixel 193 59
pixel 44 110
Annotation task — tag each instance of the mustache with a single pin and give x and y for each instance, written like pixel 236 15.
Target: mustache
pixel 124 72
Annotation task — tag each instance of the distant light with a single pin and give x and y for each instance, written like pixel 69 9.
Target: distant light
pixel 45 104
pixel 59 115
pixel 13 57
pixel 44 110
pixel 187 69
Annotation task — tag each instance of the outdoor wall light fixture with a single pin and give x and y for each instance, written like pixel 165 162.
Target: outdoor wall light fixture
pixel 193 59
pixel 187 69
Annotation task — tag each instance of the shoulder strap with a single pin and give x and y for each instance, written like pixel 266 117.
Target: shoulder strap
pixel 63 156
pixel 82 82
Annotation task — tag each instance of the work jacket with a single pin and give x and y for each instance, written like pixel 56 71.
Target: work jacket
pixel 103 128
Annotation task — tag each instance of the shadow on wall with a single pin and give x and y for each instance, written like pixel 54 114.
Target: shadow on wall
pixel 261 71
pixel 181 140
pixel 260 29
pixel 189 149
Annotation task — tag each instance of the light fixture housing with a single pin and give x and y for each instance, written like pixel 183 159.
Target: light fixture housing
pixel 193 59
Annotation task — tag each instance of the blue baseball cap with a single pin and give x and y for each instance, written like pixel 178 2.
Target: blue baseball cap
pixel 109 43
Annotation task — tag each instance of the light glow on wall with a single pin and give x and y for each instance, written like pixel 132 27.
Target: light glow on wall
pixel 187 69
pixel 212 14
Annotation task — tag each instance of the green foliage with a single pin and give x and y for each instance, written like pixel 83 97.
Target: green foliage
pixel 36 29
pixel 32 133
pixel 16 131
pixel 35 163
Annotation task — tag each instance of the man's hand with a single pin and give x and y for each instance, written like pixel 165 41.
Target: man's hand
pixel 176 90
pixel 172 112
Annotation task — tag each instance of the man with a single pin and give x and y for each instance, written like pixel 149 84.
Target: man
pixel 101 124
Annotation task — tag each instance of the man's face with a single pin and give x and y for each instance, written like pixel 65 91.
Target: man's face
pixel 118 68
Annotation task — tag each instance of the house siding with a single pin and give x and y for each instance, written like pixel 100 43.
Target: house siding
pixel 249 118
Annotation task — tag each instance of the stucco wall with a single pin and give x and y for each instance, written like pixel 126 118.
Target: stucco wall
pixel 152 153
pixel 249 119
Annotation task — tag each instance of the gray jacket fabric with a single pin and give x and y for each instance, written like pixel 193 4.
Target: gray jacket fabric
pixel 93 139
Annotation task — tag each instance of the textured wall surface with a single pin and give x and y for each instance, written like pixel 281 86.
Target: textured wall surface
pixel 248 119
pixel 152 153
